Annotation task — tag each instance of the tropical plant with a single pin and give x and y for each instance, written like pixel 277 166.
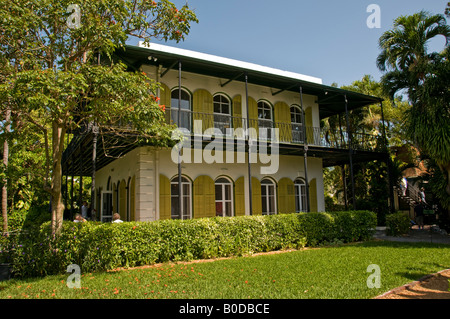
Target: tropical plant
pixel 62 75
pixel 424 76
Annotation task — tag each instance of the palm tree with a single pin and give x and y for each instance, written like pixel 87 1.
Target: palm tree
pixel 408 66
pixel 404 53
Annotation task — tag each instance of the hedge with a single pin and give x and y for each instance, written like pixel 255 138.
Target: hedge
pixel 98 246
pixel 397 224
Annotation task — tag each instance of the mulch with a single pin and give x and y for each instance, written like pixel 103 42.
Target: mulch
pixel 434 286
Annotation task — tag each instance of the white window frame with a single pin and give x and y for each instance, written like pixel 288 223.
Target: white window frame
pixel 266 197
pixel 184 181
pixel 185 112
pixel 223 200
pixel 300 195
pixel 221 125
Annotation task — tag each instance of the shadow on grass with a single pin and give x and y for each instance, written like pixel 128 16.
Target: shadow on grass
pixel 399 244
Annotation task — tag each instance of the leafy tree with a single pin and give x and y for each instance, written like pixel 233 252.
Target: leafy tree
pixel 61 83
pixel 371 179
pixel 424 76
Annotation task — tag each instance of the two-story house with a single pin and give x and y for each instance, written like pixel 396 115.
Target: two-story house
pixel 252 145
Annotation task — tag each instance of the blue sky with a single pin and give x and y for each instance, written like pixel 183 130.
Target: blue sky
pixel 323 38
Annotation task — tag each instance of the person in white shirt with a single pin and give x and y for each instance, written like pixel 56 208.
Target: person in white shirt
pixel 84 209
pixel 116 218
pixel 79 218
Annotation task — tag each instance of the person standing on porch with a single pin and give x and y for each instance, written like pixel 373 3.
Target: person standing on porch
pixel 418 210
pixel 84 209
pixel 404 185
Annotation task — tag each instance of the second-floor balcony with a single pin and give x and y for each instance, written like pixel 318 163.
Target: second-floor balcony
pixel 227 126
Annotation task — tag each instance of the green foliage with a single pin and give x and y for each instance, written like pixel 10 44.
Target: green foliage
pixel 425 77
pixel 397 224
pixel 66 75
pixel 26 219
pixel 96 246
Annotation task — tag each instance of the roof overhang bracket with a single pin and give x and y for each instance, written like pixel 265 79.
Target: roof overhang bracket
pixel 282 90
pixel 328 98
pixel 232 79
pixel 169 68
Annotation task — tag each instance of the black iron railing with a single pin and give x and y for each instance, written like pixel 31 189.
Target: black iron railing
pixel 262 129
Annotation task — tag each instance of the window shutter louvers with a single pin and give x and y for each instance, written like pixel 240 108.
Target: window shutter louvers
pixel 286 196
pixel 204 197
pixel 203 109
pixel 239 197
pixel 256 197
pixel 313 195
pixel 283 121
pixel 165 210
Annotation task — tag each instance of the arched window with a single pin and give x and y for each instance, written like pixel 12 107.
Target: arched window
pixel 296 124
pixel 185 104
pixel 300 195
pixel 186 198
pixel 265 118
pixel 268 197
pixel 222 112
pixel 224 197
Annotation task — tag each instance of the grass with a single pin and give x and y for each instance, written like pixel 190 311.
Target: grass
pixel 338 272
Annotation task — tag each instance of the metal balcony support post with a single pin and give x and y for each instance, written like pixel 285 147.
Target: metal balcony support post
pixel 305 155
pixel 180 186
pixel 80 191
pixel 94 160
pixel 388 162
pixel 344 182
pixel 350 151
pixel 248 147
pixel 71 185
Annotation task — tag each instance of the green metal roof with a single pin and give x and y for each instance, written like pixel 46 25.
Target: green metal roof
pixel 331 100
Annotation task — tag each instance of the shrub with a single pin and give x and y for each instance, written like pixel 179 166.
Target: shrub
pixel 397 224
pixel 103 246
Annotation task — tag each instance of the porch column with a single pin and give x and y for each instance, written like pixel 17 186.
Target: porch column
pixel 180 188
pixel 344 181
pixel 305 154
pixel 94 160
pixel 350 151
pixel 250 199
pixel 80 193
pixel 388 162
pixel 72 168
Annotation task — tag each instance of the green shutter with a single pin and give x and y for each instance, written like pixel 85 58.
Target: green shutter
pixel 283 121
pixel 313 195
pixel 253 116
pixel 309 126
pixel 239 196
pixel 203 109
pixel 165 210
pixel 256 197
pixel 286 196
pixel 204 197
pixel 237 112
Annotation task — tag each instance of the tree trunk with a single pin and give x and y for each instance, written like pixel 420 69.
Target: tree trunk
pixel 5 164
pixel 58 133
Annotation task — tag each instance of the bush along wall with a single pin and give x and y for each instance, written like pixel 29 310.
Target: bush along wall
pixel 95 246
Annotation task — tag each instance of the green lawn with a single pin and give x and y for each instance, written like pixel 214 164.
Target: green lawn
pixel 324 273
